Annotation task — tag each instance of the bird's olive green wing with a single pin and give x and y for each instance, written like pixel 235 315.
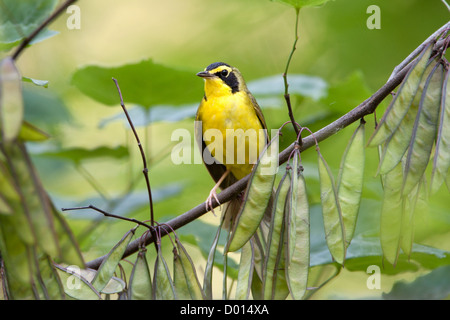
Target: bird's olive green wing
pixel 259 114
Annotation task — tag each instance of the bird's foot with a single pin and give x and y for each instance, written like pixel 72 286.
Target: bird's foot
pixel 209 200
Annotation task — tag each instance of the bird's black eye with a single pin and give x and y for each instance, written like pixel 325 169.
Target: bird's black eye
pixel 224 72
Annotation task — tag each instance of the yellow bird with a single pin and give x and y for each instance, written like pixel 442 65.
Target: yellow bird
pixel 230 129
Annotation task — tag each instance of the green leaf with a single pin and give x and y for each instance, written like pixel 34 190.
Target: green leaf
pixel 77 155
pixel 304 85
pixel 28 132
pixel 43 108
pixel 365 251
pixel 432 286
pixel 40 83
pixel 298 4
pixel 19 18
pixel 142 116
pixel 348 92
pixel 145 83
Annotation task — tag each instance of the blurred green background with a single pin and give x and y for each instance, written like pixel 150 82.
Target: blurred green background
pixel 256 36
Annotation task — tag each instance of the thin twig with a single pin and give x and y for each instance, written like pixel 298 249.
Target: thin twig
pixel 366 107
pixel 107 214
pixel 286 85
pixel 36 31
pixel 144 160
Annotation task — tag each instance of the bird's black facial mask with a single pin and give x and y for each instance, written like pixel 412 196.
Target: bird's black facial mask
pixel 230 79
pixel 227 76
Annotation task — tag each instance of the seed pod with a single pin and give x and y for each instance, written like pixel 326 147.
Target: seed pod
pixel 207 279
pixel 186 282
pixel 424 132
pixel 163 288
pixel 331 211
pixel 297 251
pixel 441 161
pixel 140 287
pixel 109 265
pixel 34 204
pixel 350 181
pixel 76 286
pixel 274 256
pixel 257 196
pixel 402 101
pixel 415 202
pixel 391 214
pixel 245 275
pixel 397 144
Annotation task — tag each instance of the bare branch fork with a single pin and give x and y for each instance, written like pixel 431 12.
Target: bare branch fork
pixel 366 107
pixel 152 227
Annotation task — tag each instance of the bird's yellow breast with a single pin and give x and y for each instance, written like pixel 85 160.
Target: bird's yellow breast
pixel 232 118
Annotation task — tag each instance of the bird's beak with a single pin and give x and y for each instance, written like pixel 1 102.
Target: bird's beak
pixel 205 74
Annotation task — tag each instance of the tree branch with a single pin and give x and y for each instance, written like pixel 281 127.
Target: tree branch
pixel 365 108
pixel 46 22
